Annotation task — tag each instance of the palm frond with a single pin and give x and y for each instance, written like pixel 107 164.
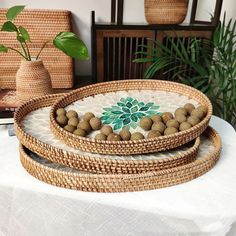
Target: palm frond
pixel 208 65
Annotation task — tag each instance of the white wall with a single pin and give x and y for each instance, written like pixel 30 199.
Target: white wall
pixel 229 7
pixel 206 8
pixel 81 9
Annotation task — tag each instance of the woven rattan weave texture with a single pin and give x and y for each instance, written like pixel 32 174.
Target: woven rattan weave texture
pixel 124 182
pixel 165 11
pixel 130 147
pixel 86 161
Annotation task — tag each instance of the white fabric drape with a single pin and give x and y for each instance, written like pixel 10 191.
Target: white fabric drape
pixel 205 206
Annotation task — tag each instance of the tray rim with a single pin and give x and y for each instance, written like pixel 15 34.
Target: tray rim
pixel 132 146
pixel 89 163
pixel 125 182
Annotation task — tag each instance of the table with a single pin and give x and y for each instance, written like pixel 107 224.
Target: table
pixel 205 206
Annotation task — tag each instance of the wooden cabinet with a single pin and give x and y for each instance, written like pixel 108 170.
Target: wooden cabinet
pixel 114 47
pixel 114 44
pixel 115 52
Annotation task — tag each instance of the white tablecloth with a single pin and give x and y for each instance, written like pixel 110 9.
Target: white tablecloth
pixel 205 206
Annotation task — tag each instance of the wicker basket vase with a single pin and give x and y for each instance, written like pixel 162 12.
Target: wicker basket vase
pixel 32 80
pixel 165 11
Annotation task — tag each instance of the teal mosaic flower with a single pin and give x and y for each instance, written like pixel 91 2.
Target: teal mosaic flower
pixel 127 113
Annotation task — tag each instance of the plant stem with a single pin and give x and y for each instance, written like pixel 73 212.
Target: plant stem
pixel 28 52
pixel 13 49
pixel 22 47
pixel 44 45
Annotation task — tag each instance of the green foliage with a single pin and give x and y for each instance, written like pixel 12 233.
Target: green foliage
pixel 13 12
pixel 208 65
pixel 3 48
pixel 71 45
pixel 24 33
pixel 8 26
pixel 20 39
pixel 67 42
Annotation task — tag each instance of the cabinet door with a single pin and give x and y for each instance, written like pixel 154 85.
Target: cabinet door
pixel 115 52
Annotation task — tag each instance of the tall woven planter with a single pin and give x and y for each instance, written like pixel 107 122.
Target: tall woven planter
pixel 165 11
pixel 32 80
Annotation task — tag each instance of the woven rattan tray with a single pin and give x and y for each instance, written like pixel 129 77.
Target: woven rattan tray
pixel 32 127
pixel 68 178
pixel 131 147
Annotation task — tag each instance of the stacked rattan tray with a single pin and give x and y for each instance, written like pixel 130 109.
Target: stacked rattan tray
pixel 60 158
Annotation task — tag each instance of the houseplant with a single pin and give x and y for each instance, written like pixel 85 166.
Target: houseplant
pixel 32 78
pixel 208 65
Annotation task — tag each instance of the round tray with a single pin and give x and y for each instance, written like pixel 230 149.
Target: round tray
pixel 32 128
pixel 130 147
pixel 73 179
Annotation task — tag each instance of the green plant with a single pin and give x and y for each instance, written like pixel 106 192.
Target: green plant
pixel 67 42
pixel 208 65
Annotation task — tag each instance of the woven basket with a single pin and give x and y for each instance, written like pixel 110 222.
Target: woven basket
pixel 88 162
pixel 42 25
pixel 165 11
pixel 32 80
pixel 130 147
pixel 123 182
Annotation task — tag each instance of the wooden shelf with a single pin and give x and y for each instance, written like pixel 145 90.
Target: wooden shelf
pixel 113 26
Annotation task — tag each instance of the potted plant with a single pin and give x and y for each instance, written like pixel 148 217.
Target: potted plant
pixel 32 78
pixel 207 65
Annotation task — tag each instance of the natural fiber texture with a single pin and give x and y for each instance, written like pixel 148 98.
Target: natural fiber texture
pixel 124 182
pixel 32 80
pixel 87 162
pixel 165 11
pixel 42 25
pixel 130 147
